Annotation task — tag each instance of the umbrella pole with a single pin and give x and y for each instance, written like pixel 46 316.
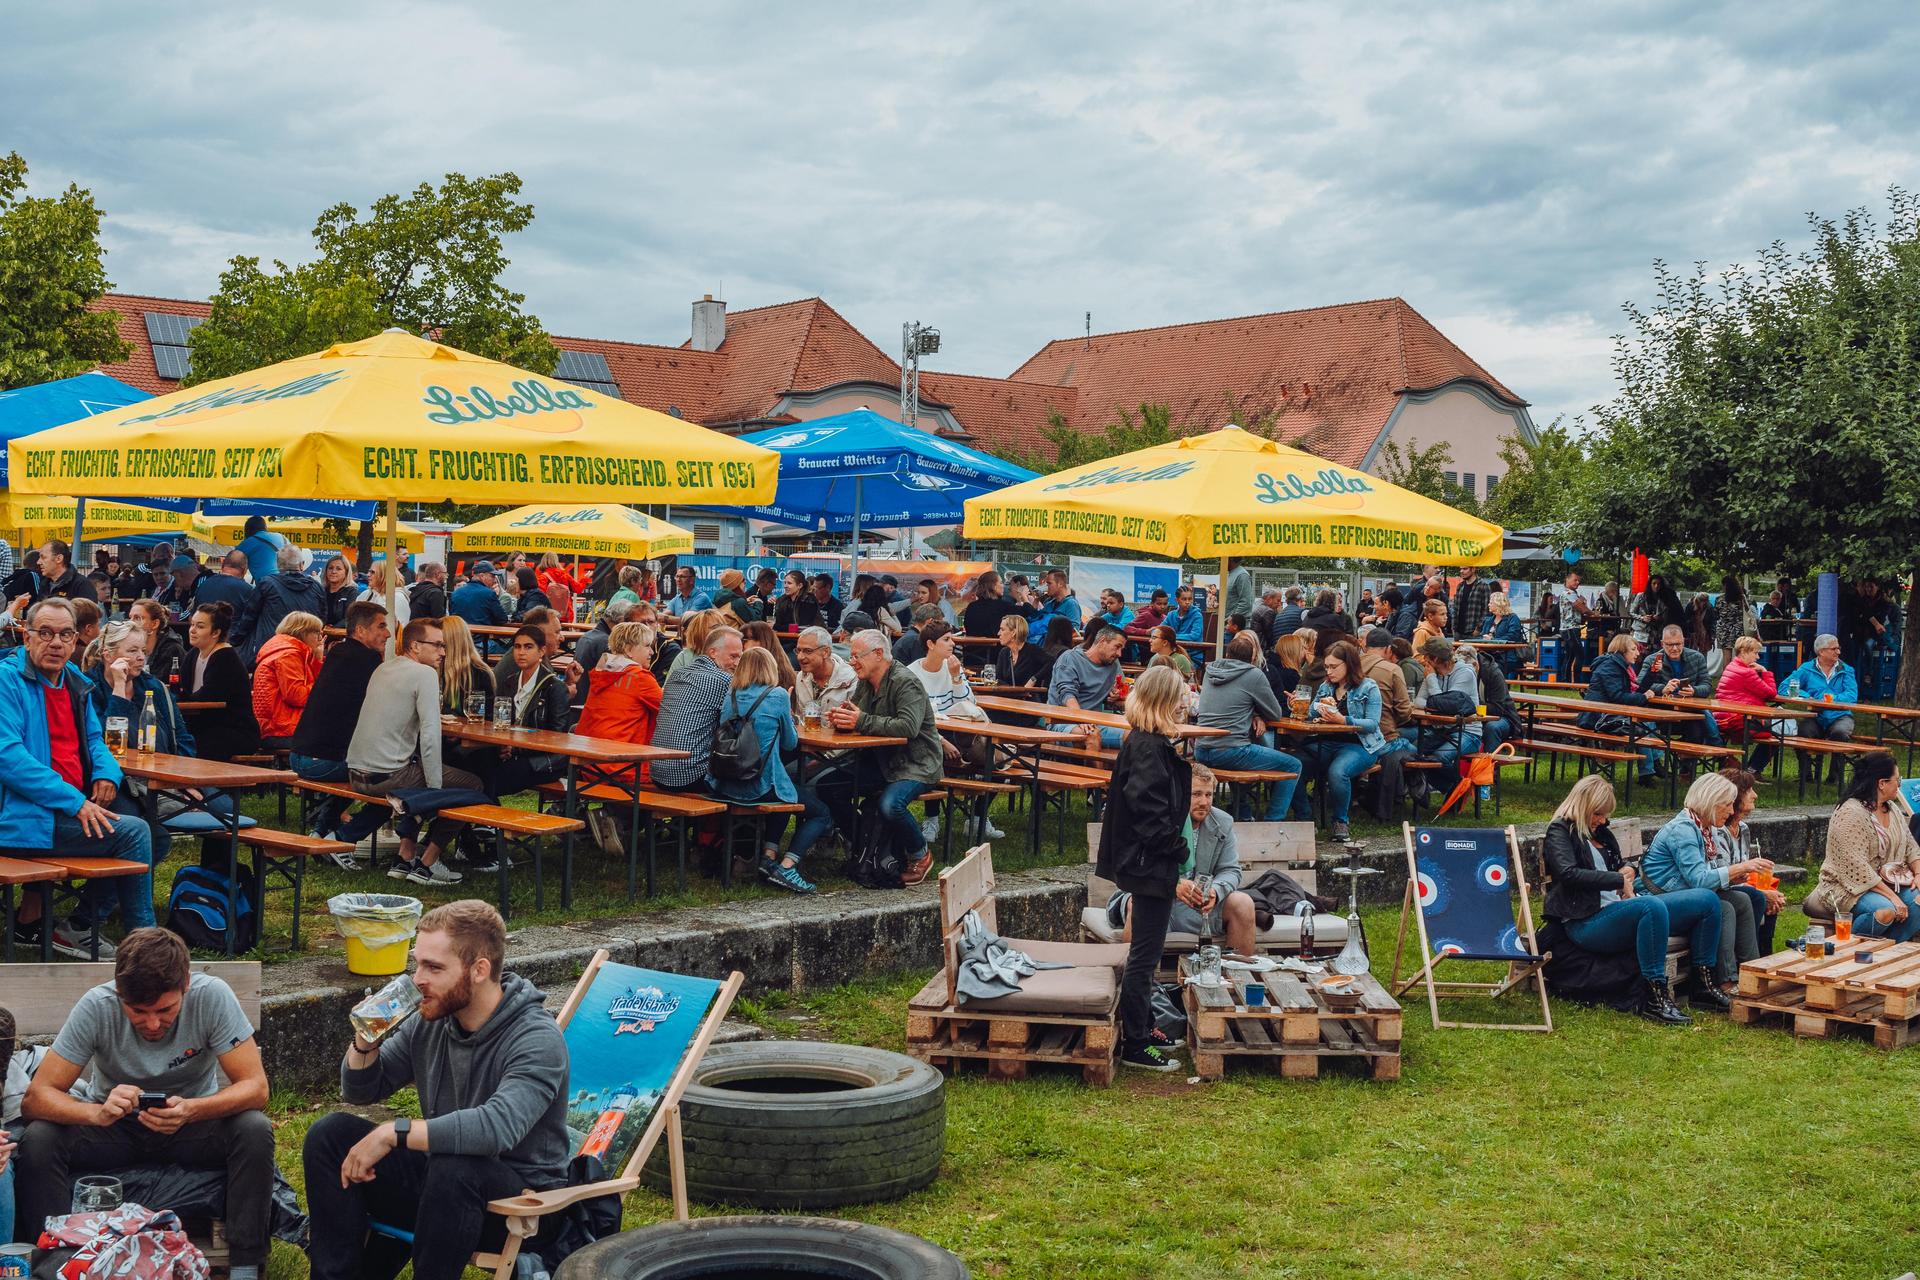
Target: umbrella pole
pixel 79 518
pixel 393 558
pixel 854 559
pixel 1220 641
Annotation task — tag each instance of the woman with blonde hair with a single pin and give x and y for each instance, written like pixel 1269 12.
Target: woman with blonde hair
pixel 1681 858
pixel 283 677
pixel 400 613
pixel 761 635
pixel 1502 627
pixel 757 701
pixel 694 631
pixel 463 672
pixel 1592 895
pixel 1143 846
pixel 1746 682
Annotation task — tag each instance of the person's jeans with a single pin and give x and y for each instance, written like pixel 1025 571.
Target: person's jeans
pixel 1644 922
pixel 814 823
pixel 6 1202
pixel 1342 765
pixel 1567 658
pixel 1746 930
pixel 440 831
pixel 1110 738
pixel 455 1188
pixel 1148 940
pixel 129 840
pixel 1839 729
pixel 896 810
pixel 1900 930
pixel 363 823
pixel 239 1145
pixel 1448 753
pixel 1253 755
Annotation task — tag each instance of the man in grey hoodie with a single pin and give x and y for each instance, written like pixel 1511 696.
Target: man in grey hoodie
pixel 490 1066
pixel 1233 693
pixel 1444 675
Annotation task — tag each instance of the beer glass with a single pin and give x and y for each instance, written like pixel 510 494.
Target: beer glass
pixel 117 735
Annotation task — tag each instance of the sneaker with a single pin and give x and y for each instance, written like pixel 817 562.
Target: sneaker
pixel 983 829
pixel 347 862
pixel 485 864
pixel 1341 831
pixel 1148 1057
pixel 917 871
pixel 1161 1040
pixel 766 867
pixel 790 878
pixel 930 829
pixel 70 939
pixel 438 873
pixel 402 869
pixel 601 822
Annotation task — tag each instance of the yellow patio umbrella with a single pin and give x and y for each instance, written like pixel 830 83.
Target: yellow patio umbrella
pixel 32 517
pixel 576 528
pixel 397 418
pixel 229 531
pixel 1232 493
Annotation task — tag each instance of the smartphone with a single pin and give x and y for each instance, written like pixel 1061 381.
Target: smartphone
pixel 151 1100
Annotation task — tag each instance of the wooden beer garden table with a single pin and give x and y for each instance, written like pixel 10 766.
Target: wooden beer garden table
pixel 1024 743
pixel 178 775
pixel 1663 719
pixel 1905 720
pixel 604 761
pixel 1080 715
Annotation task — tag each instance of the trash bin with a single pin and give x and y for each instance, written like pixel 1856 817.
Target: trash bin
pixel 378 927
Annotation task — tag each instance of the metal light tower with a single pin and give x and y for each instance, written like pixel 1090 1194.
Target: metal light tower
pixel 916 340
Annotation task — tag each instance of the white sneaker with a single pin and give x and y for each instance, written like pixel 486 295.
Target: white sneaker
pixel 985 830
pixel 930 829
pixel 438 873
pixel 70 940
pixel 347 862
pixel 402 870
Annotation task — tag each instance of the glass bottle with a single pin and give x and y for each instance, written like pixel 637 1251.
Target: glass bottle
pixel 149 731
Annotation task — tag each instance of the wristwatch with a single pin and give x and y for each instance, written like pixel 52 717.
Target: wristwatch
pixel 401 1127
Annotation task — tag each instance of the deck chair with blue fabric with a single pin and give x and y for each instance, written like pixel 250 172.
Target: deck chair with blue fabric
pixel 634 1037
pixel 1460 887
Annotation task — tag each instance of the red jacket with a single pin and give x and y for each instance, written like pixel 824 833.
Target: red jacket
pixel 1145 621
pixel 559 574
pixel 621 705
pixel 282 678
pixel 1754 686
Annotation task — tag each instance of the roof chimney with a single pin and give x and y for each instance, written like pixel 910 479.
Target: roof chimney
pixel 709 324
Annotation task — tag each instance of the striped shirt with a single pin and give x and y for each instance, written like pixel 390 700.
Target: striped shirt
pixel 689 714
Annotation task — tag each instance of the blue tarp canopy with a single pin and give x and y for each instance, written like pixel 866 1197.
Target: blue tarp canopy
pixel 861 470
pixel 26 410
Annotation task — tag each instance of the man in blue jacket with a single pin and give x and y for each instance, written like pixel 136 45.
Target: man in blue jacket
pixel 1187 620
pixel 57 778
pixel 1825 678
pixel 475 601
pixel 1057 602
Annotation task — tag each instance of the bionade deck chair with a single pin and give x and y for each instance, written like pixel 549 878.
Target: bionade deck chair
pixel 1460 894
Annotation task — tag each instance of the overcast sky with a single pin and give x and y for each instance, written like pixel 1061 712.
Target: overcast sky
pixel 992 169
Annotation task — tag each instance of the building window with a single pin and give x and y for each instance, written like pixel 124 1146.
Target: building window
pixel 1491 482
pixel 1451 477
pixel 168 334
pixel 1466 482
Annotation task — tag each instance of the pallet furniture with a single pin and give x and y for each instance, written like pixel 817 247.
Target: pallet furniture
pixel 1263 846
pixel 41 996
pixel 1821 996
pixel 1462 883
pixel 1066 1017
pixel 1295 1028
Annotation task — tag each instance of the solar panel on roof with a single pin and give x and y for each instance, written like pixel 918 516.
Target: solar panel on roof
pixel 168 334
pixel 587 369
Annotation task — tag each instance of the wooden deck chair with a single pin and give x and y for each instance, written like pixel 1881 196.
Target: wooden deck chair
pixel 637 1037
pixel 1460 895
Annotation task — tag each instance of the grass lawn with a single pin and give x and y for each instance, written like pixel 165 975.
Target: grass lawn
pixel 600 881
pixel 1611 1148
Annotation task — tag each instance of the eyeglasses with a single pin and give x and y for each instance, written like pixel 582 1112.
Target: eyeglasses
pixel 431 644
pixel 807 652
pixel 45 636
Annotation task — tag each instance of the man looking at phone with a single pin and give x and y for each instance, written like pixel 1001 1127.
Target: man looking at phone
pixel 154 1035
pixel 490 1066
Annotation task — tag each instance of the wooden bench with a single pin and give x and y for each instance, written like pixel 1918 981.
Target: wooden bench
pixel 675 807
pixel 40 996
pixel 70 883
pixel 285 854
pixel 25 872
pixel 308 788
pixel 515 829
pixel 1822 747
pixel 1598 755
pixel 1262 846
pixel 1068 1017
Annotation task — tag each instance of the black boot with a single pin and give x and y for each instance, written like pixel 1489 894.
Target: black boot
pixel 1705 992
pixel 1656 1004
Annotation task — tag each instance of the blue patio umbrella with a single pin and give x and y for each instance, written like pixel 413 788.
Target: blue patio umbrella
pixel 863 469
pixel 25 410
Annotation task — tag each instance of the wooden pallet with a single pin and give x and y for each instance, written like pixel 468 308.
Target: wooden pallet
pixel 1820 996
pixel 1294 1029
pixel 1009 1044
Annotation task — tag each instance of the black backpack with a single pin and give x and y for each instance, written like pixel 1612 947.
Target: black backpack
pixel 876 862
pixel 736 747
pixel 197 910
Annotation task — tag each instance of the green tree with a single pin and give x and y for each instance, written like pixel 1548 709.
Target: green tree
pixel 429 262
pixel 1068 447
pixel 1424 471
pixel 1540 479
pixel 51 268
pixel 1772 422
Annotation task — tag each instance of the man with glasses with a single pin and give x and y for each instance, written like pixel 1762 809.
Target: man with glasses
pixel 1825 678
pixel 396 747
pixel 889 702
pixel 820 675
pixel 57 778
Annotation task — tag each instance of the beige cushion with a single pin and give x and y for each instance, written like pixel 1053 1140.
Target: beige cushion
pixel 1110 955
pixel 1328 930
pixel 1089 991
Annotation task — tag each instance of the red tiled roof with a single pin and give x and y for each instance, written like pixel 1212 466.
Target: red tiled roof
pixel 138 368
pixel 998 413
pixel 793 346
pixel 1330 375
pixel 660 378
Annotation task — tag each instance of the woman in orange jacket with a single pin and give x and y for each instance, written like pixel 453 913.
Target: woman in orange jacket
pixel 623 703
pixel 283 676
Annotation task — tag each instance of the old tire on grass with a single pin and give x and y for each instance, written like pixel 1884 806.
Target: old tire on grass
pixel 796 1125
pixel 818 1247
